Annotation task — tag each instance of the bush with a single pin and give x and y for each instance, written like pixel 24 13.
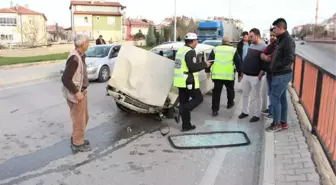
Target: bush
pixel 150 39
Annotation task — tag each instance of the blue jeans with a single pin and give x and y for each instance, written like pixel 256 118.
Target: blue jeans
pixel 279 97
pixel 269 83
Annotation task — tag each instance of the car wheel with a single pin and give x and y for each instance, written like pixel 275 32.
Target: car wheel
pixel 104 74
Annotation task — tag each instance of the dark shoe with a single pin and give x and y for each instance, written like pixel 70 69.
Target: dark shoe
pixel 265 112
pixel 215 113
pixel 230 105
pixel 192 127
pixel 80 148
pixel 86 142
pixel 274 128
pixel 269 116
pixel 284 126
pixel 243 115
pixel 177 115
pixel 254 119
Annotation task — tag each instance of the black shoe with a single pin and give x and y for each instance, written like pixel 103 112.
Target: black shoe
pixel 191 127
pixel 265 112
pixel 242 115
pixel 274 128
pixel 230 105
pixel 86 142
pixel 254 119
pixel 214 113
pixel 80 148
pixel 177 115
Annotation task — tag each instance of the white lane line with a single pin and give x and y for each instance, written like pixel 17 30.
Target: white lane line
pixel 214 167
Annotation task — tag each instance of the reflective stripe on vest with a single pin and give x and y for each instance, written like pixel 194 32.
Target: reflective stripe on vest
pixel 223 68
pixel 181 69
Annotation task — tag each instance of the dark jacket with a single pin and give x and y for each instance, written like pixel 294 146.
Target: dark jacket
pixel 100 43
pixel 268 51
pixel 252 63
pixel 193 65
pixel 240 46
pixel 236 59
pixel 283 56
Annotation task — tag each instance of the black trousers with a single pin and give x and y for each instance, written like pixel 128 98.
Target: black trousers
pixel 187 105
pixel 217 91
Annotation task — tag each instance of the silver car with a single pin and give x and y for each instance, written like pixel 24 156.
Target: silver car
pixel 100 61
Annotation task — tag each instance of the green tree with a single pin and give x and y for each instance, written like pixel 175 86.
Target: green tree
pixel 150 39
pixel 139 36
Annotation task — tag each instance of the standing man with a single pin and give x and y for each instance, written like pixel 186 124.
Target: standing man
pixel 223 59
pixel 100 40
pixel 281 68
pixel 243 45
pixel 252 65
pixel 266 56
pixel 75 83
pixel 186 80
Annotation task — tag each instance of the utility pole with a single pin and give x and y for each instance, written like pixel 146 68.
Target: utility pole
pixel 174 20
pixel 316 17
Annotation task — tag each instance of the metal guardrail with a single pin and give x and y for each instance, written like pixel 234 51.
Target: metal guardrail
pixel 316 89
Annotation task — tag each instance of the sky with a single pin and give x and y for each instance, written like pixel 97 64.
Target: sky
pixel 257 13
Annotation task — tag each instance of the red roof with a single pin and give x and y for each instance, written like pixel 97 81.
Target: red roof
pixel 21 10
pixel 97 13
pixel 138 22
pixel 96 3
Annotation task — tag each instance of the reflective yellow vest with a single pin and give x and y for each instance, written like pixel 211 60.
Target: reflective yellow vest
pixel 222 68
pixel 181 69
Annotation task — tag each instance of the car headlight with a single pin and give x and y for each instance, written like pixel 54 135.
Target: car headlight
pixel 91 65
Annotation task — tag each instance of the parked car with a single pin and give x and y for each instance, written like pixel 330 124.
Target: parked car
pixel 100 61
pixel 212 42
pixel 142 80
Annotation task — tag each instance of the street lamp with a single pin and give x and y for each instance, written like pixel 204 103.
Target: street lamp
pixel 174 20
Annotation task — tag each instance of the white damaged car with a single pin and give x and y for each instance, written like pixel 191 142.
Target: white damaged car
pixel 142 80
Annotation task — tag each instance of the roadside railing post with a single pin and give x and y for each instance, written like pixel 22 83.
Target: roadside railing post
pixel 302 78
pixel 293 74
pixel 317 97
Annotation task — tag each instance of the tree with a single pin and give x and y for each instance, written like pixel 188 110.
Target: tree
pixel 157 36
pixel 150 39
pixel 192 26
pixel 29 31
pixel 167 33
pixel 139 36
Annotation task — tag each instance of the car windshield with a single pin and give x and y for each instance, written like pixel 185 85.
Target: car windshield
pixel 165 52
pixel 207 32
pixel 98 51
pixel 212 43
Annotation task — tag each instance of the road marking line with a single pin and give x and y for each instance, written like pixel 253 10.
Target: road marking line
pixel 27 83
pixel 214 167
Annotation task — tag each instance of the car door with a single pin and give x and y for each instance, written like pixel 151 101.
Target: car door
pixel 113 56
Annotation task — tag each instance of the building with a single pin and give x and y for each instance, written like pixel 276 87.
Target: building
pixel 297 30
pixel 94 18
pixel 330 25
pixel 21 25
pixel 133 26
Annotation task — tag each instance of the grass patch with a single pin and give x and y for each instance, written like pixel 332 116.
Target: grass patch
pixel 41 58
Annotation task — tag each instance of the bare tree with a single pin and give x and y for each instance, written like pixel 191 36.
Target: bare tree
pixel 29 32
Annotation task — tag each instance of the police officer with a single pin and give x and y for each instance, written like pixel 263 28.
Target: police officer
pixel 223 58
pixel 186 80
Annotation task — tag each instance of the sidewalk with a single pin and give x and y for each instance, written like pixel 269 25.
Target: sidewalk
pixel 29 73
pixel 292 160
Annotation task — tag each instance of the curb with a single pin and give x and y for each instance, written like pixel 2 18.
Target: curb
pixel 323 167
pixel 5 67
pixel 27 79
pixel 267 168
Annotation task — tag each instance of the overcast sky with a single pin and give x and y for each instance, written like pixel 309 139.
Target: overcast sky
pixel 256 13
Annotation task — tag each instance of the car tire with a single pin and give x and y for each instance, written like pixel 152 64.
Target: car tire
pixel 104 74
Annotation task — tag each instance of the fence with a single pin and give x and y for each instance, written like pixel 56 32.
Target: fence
pixel 316 88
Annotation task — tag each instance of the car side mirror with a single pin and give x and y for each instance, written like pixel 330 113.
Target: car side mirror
pixel 113 55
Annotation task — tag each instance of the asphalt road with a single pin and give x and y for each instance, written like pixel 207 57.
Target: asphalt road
pixel 35 131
